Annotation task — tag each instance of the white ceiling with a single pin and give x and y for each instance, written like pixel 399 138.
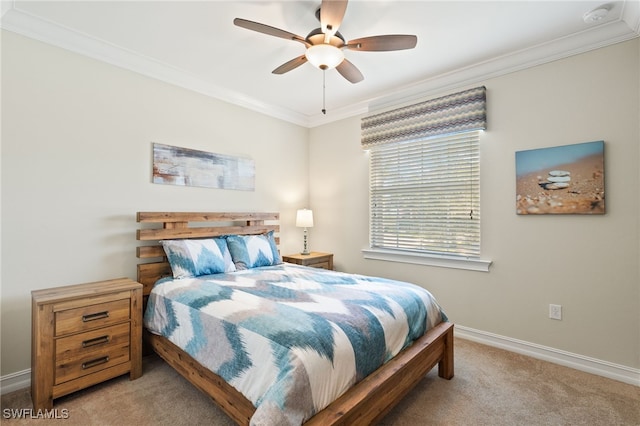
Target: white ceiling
pixel 195 45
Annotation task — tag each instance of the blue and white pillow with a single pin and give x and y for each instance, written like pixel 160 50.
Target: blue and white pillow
pixel 252 251
pixel 192 258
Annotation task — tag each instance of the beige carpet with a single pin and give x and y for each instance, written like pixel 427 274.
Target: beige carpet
pixel 491 387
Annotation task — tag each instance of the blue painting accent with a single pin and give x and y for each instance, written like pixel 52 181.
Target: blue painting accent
pixel 533 160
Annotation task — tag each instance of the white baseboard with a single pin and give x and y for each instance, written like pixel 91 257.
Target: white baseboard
pixel 579 362
pixel 22 379
pixel 15 381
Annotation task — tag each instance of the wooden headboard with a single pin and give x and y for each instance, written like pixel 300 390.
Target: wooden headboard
pixel 181 225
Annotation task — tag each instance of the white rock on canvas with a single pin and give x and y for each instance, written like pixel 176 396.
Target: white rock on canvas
pixel 557 185
pixel 559 179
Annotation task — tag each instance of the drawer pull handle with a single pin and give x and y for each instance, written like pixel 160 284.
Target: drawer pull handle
pixel 96 341
pixel 96 316
pixel 95 362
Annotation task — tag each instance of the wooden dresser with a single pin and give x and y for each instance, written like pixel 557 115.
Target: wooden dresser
pixel 314 259
pixel 82 335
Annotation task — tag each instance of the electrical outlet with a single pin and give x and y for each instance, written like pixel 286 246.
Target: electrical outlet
pixel 555 312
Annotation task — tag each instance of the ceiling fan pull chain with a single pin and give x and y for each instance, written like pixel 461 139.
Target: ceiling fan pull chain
pixel 324 90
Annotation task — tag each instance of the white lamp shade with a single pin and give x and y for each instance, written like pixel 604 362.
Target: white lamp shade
pixel 304 218
pixel 324 56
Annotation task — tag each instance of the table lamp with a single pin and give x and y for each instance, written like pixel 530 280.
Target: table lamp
pixel 304 219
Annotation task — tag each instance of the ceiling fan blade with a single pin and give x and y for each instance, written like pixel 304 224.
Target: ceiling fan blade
pixel 331 14
pixel 350 72
pixel 269 30
pixel 383 43
pixel 289 65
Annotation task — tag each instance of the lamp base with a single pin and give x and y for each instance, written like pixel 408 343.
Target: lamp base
pixel 306 253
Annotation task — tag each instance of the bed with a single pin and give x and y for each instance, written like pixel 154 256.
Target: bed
pixel 358 390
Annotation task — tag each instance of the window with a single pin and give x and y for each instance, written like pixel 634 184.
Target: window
pixel 425 182
pixel 425 195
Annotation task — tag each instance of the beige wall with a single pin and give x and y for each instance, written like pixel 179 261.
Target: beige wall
pixel 76 166
pixel 588 264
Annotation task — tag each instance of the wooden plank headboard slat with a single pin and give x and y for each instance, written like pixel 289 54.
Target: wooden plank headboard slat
pixel 147 252
pixel 149 273
pixel 161 217
pixel 163 234
pixel 174 225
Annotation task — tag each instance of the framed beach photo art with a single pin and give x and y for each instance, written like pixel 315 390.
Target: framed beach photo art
pixel 565 179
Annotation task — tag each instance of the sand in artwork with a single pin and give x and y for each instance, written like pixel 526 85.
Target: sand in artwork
pixel 570 187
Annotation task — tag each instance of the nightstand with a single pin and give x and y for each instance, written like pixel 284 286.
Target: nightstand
pixel 82 335
pixel 314 259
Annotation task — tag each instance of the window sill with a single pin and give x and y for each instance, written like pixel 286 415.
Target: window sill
pixel 428 259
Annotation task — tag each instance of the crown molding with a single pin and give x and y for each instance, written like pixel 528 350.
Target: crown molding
pixel 631 15
pixel 595 38
pixel 623 29
pixel 27 25
pixel 5 6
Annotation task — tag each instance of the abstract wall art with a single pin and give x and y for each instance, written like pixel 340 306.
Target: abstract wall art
pixel 189 167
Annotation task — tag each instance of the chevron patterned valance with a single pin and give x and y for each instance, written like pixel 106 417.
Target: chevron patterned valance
pixel 459 112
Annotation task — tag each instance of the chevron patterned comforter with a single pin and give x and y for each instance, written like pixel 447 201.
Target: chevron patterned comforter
pixel 290 338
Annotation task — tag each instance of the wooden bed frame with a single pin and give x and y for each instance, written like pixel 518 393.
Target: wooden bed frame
pixel 364 404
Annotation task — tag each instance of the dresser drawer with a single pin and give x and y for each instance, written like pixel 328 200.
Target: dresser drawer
pixel 323 265
pixel 91 362
pixel 78 345
pixel 91 316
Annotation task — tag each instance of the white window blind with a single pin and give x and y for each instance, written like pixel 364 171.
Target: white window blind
pixel 425 195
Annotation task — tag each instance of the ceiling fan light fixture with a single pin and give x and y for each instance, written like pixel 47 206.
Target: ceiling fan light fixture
pixel 324 56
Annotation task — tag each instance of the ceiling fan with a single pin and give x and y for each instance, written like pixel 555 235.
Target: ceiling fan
pixel 325 45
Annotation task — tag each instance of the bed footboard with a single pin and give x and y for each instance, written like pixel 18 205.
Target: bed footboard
pixel 371 399
pixel 364 404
